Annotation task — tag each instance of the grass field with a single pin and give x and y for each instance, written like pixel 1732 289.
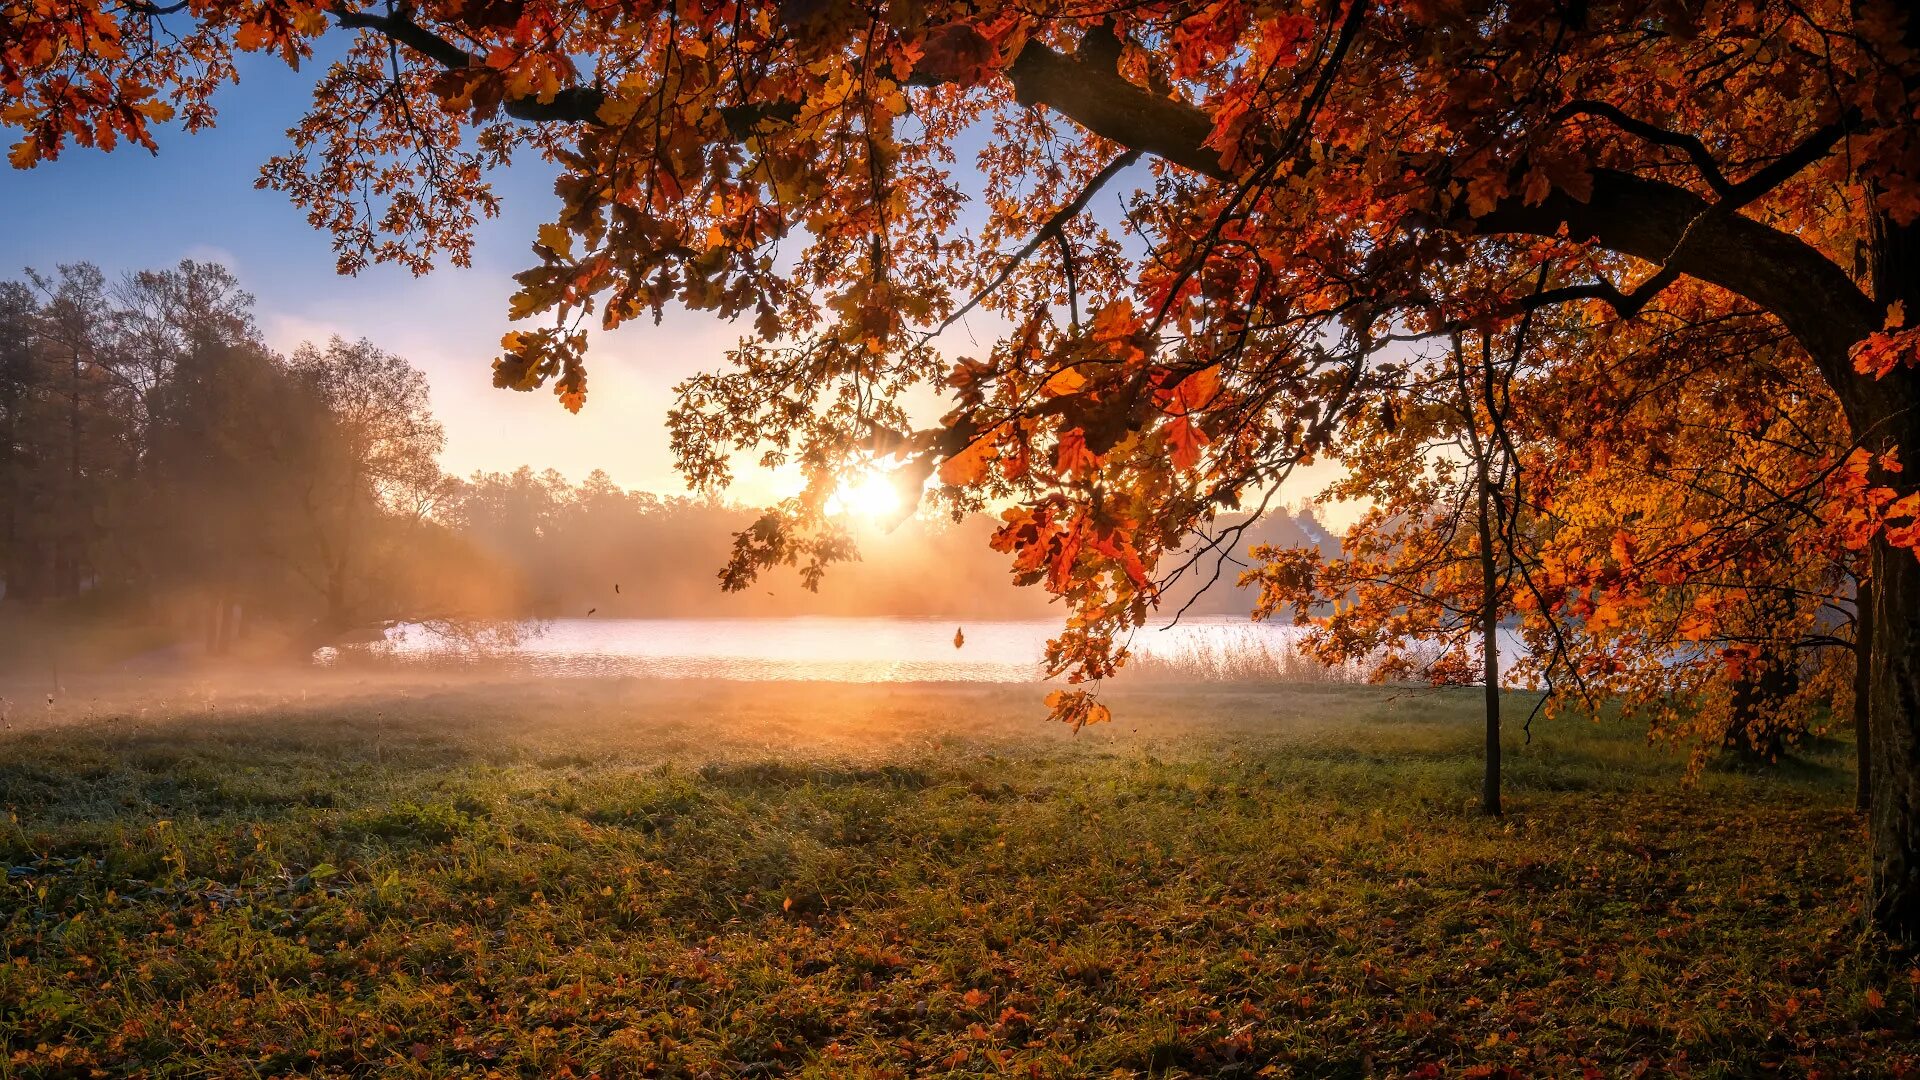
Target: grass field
pixel 718 880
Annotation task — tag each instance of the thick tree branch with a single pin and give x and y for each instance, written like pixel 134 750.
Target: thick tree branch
pixel 572 105
pixel 575 104
pixel 1105 103
pixel 1690 145
pixel 1647 219
pixel 409 33
pixel 1778 171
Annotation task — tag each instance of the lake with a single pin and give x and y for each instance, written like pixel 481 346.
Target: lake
pixel 841 649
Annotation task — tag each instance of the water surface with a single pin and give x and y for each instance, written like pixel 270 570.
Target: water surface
pixel 832 649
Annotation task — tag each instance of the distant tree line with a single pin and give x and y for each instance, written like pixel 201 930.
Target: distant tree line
pixel 159 460
pixel 559 549
pixel 156 454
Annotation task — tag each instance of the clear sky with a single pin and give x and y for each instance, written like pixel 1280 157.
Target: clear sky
pixel 129 210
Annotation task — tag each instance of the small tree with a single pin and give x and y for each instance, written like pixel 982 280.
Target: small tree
pixel 1427 574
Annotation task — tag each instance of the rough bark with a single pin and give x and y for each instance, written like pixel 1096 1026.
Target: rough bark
pixel 1894 819
pixel 1894 680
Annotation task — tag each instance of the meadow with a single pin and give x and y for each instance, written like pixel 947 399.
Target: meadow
pixel 351 875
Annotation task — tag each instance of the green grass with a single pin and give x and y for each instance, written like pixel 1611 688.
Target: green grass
pixel 711 880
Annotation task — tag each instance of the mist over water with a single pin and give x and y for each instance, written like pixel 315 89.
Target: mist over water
pixel 838 650
pixel 753 649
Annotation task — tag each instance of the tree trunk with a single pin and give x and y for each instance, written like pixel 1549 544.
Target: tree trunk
pixel 1490 646
pixel 10 486
pixel 224 645
pixel 1894 732
pixel 1759 723
pixel 1893 729
pixel 212 623
pixel 338 616
pixel 69 555
pixel 1758 727
pixel 1863 696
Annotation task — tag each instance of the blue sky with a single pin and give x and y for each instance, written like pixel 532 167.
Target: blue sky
pixel 129 210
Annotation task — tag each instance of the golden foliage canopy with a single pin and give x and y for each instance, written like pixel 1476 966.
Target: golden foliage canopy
pixel 1314 184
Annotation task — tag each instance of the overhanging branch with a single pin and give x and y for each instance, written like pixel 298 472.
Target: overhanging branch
pixel 411 34
pixel 1647 219
pixel 574 105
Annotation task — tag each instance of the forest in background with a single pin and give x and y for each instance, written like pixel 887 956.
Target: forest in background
pixel 162 467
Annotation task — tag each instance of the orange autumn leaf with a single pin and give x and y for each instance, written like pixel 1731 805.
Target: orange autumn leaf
pixel 1065 381
pixel 1187 441
pixel 1071 456
pixel 970 464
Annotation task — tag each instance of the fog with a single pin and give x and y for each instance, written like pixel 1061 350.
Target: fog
pixel 173 492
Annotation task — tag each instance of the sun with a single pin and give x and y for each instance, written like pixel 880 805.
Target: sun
pixel 870 495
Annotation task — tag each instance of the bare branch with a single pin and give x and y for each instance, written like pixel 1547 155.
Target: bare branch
pixel 1690 145
pixel 1055 227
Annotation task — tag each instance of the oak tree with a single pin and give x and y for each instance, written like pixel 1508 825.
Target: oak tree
pixel 1313 182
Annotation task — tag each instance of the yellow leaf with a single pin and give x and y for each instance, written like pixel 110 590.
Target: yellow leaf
pixel 1186 441
pixel 1197 390
pixel 1484 193
pixel 1538 186
pixel 1114 321
pixel 617 109
pixel 557 239
pixel 1603 617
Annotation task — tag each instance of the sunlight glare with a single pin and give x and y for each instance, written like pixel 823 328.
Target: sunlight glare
pixel 871 495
